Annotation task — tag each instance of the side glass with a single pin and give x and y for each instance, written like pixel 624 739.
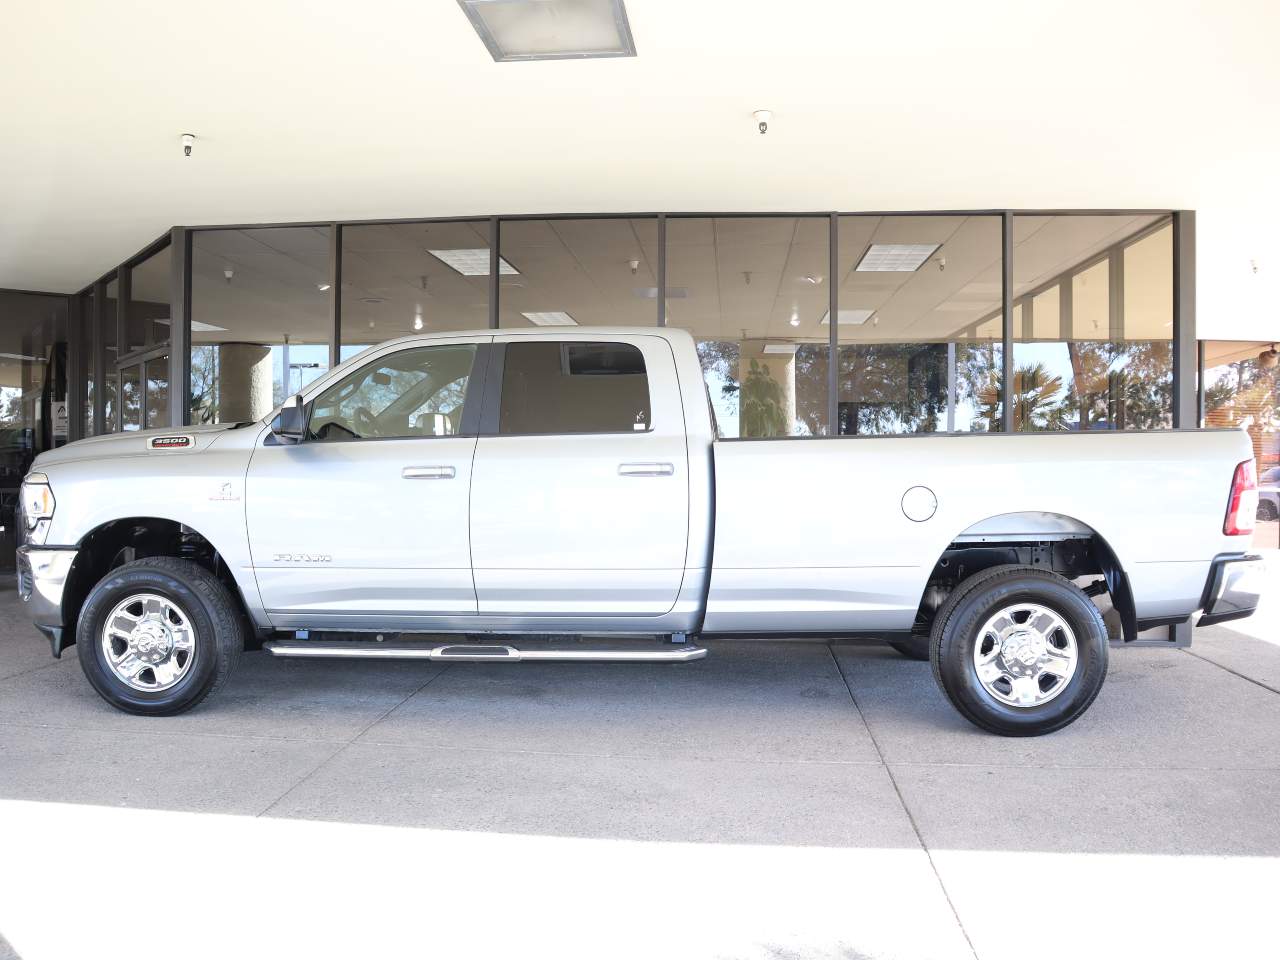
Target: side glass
pixel 920 326
pixel 1093 329
pixel 753 291
pixel 405 278
pixel 1242 391
pixel 595 272
pixel 147 315
pixel 410 394
pixel 260 319
pixel 564 387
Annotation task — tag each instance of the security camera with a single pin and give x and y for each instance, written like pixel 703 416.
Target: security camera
pixel 762 118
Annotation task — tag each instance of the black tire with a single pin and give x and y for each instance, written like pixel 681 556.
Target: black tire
pixel 215 619
pixel 913 646
pixel 1267 510
pixel 955 633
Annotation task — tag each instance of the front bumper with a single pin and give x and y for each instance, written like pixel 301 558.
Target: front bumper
pixel 1234 588
pixel 42 577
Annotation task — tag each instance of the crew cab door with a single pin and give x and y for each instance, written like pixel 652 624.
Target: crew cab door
pixel 580 491
pixel 364 523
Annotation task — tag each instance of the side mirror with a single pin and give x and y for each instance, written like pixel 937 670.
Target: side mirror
pixel 290 426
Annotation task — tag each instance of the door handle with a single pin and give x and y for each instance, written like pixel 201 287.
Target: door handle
pixel 428 473
pixel 645 469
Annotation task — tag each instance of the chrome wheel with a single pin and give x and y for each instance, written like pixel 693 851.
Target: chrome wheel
pixel 1025 655
pixel 148 642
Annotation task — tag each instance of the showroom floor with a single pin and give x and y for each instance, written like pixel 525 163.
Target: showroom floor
pixel 782 799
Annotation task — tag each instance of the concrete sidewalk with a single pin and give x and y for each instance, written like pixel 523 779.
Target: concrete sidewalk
pixel 780 799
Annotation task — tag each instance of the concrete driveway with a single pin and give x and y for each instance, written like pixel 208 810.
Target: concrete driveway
pixel 780 799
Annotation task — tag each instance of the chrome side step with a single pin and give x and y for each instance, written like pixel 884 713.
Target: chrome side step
pixel 476 652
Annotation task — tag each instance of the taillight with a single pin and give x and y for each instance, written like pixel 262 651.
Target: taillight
pixel 1242 508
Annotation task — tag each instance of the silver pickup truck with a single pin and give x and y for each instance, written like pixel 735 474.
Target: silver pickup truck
pixel 562 495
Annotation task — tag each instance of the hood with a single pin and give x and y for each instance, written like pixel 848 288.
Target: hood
pixel 163 442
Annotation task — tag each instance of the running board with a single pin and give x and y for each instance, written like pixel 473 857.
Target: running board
pixel 476 652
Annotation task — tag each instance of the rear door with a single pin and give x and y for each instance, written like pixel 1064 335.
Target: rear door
pixel 580 485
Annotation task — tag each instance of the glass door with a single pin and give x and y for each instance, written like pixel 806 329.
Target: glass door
pixel 144 393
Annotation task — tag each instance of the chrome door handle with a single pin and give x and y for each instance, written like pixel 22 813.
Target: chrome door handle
pixel 428 473
pixel 645 469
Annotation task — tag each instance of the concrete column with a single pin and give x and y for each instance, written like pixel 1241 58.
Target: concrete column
pixel 244 382
pixel 767 402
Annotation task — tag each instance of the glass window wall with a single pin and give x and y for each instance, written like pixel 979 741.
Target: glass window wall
pixel 1093 345
pixel 753 291
pixel 33 395
pixel 584 272
pixel 260 318
pixel 110 323
pixel 147 317
pixel 405 278
pixel 919 324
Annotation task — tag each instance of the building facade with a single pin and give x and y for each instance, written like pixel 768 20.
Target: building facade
pixel 1008 321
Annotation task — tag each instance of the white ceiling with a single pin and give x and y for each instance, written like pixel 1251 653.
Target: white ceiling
pixel 393 108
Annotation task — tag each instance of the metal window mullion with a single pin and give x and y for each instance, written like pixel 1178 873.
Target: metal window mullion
pixel 98 360
pixel 335 298
pixel 495 260
pixel 1184 318
pixel 1199 383
pixel 1006 297
pixel 124 293
pixel 179 327
pixel 833 324
pixel 662 270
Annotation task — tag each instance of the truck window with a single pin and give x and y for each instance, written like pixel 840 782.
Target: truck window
pixel 413 393
pixel 566 387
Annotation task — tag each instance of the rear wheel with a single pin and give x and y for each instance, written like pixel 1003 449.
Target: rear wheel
pixel 157 636
pixel 1267 510
pixel 1019 651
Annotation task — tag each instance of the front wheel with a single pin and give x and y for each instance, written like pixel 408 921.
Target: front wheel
pixel 1019 651
pixel 157 636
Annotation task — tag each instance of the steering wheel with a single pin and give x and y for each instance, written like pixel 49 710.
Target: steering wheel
pixel 366 424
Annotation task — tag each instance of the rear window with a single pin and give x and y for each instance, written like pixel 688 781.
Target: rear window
pixel 564 387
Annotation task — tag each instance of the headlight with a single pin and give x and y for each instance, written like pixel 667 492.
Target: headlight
pixel 37 507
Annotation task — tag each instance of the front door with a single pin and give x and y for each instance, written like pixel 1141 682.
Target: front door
pixel 580 497
pixel 364 523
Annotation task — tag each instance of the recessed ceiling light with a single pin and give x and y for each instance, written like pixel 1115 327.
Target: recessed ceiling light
pixel 795 321
pixel 849 318
pixel 322 287
pixel 812 279
pixel 551 29
pixel 785 349
pixel 550 318
pixel 373 299
pixel 472 263
pixel 896 257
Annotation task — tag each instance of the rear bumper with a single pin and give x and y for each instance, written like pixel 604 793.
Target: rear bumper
pixel 1233 590
pixel 42 577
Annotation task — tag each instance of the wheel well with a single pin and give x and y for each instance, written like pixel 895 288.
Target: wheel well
pixel 1074 556
pixel 134 538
